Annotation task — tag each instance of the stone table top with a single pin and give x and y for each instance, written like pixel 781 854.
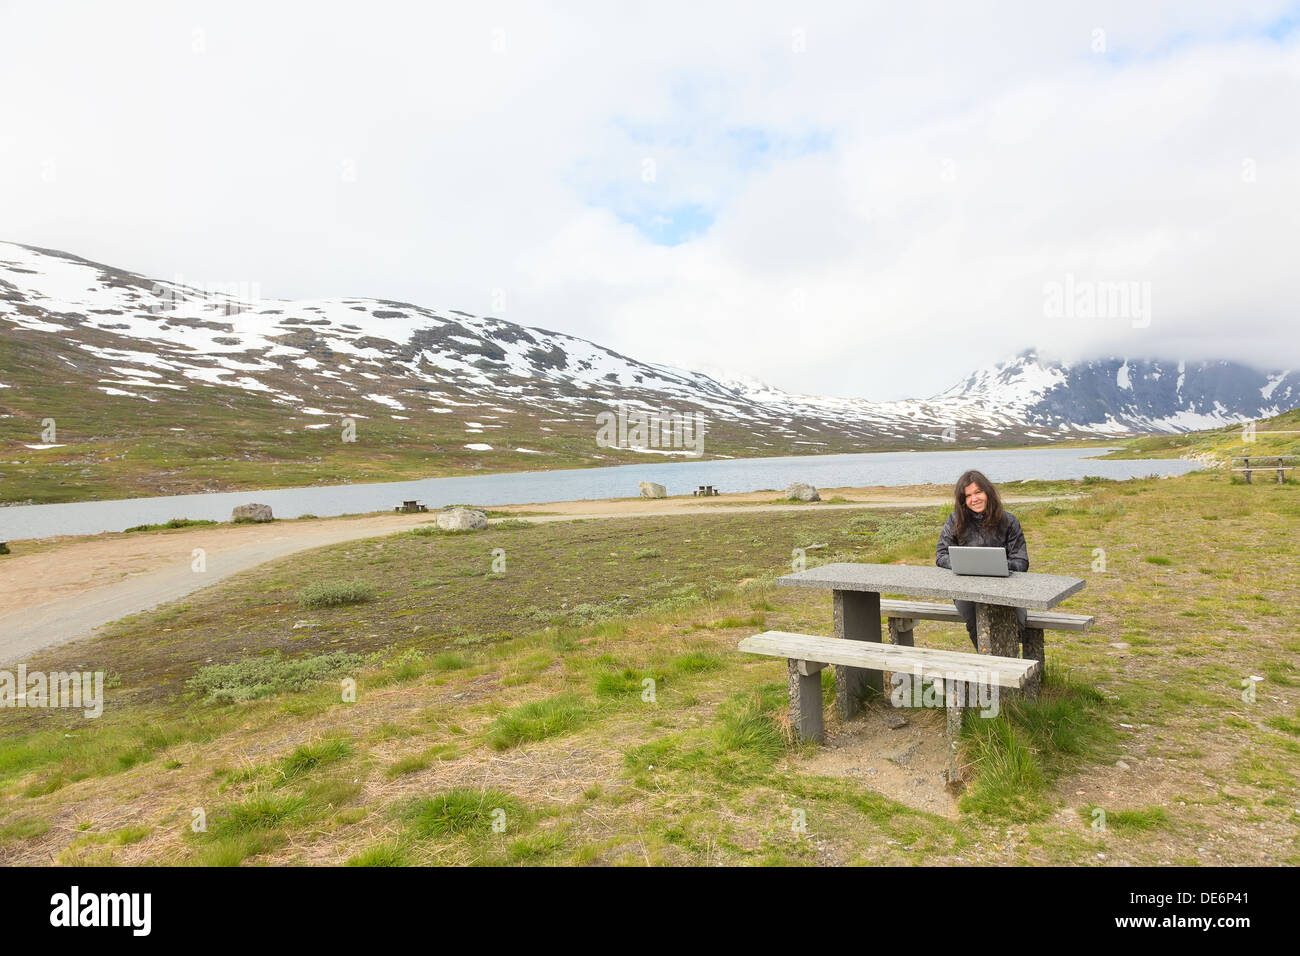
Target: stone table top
pixel 1020 589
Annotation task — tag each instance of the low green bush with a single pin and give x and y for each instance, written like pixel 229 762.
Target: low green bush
pixel 265 676
pixel 335 594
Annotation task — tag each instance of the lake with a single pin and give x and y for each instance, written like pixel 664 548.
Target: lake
pixel 619 481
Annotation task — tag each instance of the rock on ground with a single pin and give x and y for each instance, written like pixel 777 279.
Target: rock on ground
pixel 462 519
pixel 251 513
pixel 652 489
pixel 802 491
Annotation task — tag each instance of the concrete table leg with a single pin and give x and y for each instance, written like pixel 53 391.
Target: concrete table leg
pixel 1034 648
pixel 857 618
pixel 998 633
pixel 805 683
pixel 996 630
pixel 954 697
pixel 901 632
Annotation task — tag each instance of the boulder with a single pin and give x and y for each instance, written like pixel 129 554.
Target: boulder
pixel 462 519
pixel 652 489
pixel 801 491
pixel 252 513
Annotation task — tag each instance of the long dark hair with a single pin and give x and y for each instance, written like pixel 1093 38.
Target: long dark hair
pixel 993 513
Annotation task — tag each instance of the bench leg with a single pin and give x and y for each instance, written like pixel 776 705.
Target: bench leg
pixel 901 633
pixel 1034 649
pixel 954 697
pixel 857 618
pixel 805 682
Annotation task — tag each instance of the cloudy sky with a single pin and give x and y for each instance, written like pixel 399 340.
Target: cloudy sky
pixel 848 199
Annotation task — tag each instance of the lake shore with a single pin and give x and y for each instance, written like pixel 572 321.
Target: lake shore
pixel 60 589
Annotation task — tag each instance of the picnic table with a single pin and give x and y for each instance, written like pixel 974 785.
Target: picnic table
pixel 856 590
pixel 1262 463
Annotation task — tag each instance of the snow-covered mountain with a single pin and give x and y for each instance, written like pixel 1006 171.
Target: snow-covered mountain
pixel 1115 395
pixel 128 337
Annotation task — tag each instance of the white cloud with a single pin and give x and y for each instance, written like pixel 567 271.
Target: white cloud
pixel 960 156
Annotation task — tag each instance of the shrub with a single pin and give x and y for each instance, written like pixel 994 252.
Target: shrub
pixel 264 676
pixel 335 594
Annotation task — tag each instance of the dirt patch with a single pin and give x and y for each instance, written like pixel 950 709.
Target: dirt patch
pixel 908 764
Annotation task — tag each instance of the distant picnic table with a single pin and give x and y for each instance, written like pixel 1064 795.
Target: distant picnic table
pixel 1265 463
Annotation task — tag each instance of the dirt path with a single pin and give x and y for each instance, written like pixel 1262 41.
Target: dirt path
pixel 65 588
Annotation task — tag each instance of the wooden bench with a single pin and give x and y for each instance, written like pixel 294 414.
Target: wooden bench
pixel 806 655
pixel 1263 465
pixel 903 615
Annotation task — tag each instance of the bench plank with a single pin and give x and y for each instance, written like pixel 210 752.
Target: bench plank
pixel 930 663
pixel 927 611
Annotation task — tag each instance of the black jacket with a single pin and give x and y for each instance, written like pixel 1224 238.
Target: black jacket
pixel 1009 536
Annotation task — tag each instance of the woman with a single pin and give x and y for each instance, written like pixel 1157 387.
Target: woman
pixel 978 521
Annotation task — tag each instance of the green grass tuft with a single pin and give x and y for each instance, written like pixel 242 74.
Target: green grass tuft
pixel 538 720
pixel 173 523
pixel 460 812
pixel 310 756
pixel 382 854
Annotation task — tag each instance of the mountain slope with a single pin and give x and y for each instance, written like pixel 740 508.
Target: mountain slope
pixel 1119 395
pixel 155 387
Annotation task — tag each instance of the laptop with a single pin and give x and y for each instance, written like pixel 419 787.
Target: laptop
pixel 985 562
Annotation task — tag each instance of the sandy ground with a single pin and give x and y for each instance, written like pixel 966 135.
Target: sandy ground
pixel 66 587
pixel 908 763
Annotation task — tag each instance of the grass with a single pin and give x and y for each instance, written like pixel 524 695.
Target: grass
pixel 381 854
pixel 461 812
pixel 310 757
pixel 748 725
pixel 538 720
pixel 260 812
pixel 525 692
pixel 1016 755
pixel 173 523
pixel 1279 435
pixel 1130 821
